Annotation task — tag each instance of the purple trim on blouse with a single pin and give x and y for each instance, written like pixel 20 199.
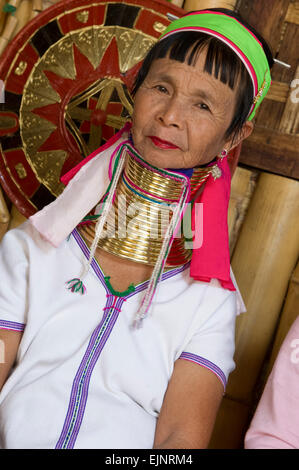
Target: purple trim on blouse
pixel 97 270
pixel 79 392
pixel 12 325
pixel 99 337
pixel 205 363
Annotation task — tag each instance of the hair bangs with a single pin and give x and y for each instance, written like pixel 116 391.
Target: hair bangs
pixel 221 61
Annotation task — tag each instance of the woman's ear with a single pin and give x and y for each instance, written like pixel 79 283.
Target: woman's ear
pixel 242 135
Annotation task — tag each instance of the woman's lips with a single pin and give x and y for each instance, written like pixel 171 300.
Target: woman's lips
pixel 163 144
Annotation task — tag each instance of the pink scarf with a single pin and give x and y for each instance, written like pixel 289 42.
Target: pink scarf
pixel 212 259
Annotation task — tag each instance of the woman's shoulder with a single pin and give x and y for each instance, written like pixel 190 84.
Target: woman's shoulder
pixel 23 237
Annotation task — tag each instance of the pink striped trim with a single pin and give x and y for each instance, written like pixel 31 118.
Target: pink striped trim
pixel 113 155
pixel 227 41
pixel 11 325
pixel 186 196
pixel 181 217
pixel 202 361
pixel 146 192
pixel 230 17
pixel 165 175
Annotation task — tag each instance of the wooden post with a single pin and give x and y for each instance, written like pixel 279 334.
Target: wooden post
pixel 264 258
pixel 242 188
pixel 9 26
pixel 191 5
pixel 37 7
pixel 48 3
pixel 2 15
pixel 23 15
pixel 16 218
pixel 229 427
pixel 178 3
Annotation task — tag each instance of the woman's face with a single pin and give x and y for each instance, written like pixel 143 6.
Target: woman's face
pixel 181 114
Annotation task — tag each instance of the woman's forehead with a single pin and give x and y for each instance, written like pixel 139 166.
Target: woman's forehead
pixel 193 78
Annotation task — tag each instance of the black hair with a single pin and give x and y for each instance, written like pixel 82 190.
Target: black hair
pixel 221 61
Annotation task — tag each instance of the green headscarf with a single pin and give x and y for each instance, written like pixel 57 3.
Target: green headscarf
pixel 236 36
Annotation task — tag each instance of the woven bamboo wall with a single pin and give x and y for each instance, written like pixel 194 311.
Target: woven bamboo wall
pixel 263 212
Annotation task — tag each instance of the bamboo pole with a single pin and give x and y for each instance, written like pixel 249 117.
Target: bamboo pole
pixel 264 258
pixel 48 3
pixel 10 25
pixel 178 3
pixel 16 218
pixel 242 188
pixel 23 15
pixel 22 11
pixel 191 5
pixel 2 15
pixel 37 7
pixel 228 431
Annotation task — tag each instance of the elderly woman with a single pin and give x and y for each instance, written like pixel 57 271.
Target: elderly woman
pixel 141 358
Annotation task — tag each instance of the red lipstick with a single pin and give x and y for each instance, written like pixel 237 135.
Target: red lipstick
pixel 163 144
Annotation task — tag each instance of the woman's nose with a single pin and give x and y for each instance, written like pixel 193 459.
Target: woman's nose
pixel 171 114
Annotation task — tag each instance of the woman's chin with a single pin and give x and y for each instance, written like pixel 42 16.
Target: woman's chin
pixel 160 158
pixel 157 157
pixel 161 163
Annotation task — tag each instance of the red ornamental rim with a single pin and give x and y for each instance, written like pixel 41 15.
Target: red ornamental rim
pixel 16 189
pixel 61 7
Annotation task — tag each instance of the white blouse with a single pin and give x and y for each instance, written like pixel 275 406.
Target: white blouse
pixel 83 377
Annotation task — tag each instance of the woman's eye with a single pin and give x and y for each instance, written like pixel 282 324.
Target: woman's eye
pixel 161 88
pixel 203 106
